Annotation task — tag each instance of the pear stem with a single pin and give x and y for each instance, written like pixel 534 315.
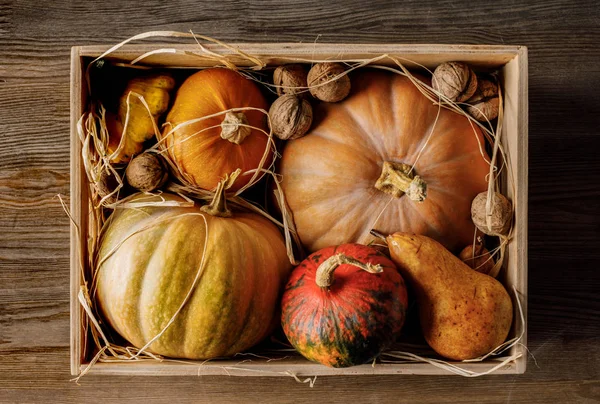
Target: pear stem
pixel 377 234
pixel 324 276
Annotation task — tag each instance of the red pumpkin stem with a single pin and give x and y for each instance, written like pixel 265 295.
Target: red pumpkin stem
pixel 324 276
pixel 218 205
pixel 234 127
pixel 398 179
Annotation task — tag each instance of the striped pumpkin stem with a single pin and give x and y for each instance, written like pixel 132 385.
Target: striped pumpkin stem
pixel 324 276
pixel 218 205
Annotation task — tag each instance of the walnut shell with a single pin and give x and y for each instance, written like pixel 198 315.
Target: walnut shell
pixel 477 258
pixel 290 116
pixel 500 216
pixel 333 91
pixel 147 172
pixel 485 103
pixel 106 185
pixel 291 79
pixel 455 80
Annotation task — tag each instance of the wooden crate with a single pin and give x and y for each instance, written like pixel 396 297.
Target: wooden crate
pixel 512 60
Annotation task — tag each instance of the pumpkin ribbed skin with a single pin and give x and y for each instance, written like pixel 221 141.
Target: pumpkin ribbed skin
pixel 143 283
pixel 329 175
pixel 204 158
pixel 350 323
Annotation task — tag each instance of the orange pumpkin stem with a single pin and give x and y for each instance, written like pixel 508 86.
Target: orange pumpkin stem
pixel 235 127
pixel 218 205
pixel 324 276
pixel 398 179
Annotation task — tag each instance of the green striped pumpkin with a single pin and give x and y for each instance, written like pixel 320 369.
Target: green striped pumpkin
pixel 149 259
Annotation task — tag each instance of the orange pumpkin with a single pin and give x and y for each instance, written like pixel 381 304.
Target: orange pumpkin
pixel 358 156
pixel 207 150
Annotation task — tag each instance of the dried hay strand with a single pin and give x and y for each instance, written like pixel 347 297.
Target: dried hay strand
pixel 94 137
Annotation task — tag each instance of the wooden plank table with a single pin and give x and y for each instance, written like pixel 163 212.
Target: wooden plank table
pixel 564 212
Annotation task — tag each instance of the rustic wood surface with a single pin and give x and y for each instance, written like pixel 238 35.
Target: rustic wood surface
pixel 564 212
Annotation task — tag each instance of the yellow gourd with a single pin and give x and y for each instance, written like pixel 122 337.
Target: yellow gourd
pixel 128 133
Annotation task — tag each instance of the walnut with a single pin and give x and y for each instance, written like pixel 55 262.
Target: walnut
pixel 291 79
pixel 477 258
pixel 455 80
pixel 500 215
pixel 333 91
pixel 106 184
pixel 147 172
pixel 290 116
pixel 485 103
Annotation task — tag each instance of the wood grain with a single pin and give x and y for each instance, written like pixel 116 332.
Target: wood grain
pixel 564 208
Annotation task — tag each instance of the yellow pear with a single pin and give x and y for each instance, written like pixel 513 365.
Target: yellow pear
pixel 464 314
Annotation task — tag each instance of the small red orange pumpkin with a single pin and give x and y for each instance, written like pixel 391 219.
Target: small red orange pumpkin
pixel 346 317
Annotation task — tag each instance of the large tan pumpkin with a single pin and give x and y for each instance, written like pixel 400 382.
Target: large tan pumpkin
pixel 149 258
pixel 339 177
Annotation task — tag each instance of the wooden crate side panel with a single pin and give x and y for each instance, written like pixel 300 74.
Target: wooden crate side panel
pixel 514 136
pixel 78 207
pixel 287 367
pixel 523 194
pixel 275 54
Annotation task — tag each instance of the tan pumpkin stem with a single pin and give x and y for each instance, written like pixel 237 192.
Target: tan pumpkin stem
pixel 233 127
pixel 324 276
pixel 218 206
pixel 398 179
